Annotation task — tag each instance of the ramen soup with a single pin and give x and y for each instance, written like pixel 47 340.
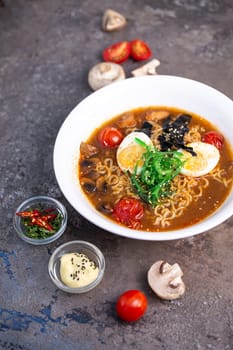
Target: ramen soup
pixel 156 169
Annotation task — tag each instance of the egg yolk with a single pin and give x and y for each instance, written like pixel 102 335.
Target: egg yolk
pixel 207 157
pixel 130 156
pixel 198 162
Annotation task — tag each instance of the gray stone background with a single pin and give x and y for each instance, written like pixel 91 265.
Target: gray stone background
pixel 46 50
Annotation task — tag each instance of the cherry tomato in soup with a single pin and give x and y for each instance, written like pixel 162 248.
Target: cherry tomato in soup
pixel 117 53
pixel 129 211
pixel 214 138
pixel 131 305
pixel 110 137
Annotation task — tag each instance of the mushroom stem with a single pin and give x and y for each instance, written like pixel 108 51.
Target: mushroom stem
pixel 148 68
pixel 173 271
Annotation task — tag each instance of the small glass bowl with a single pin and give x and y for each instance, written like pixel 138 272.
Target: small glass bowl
pixel 44 202
pixel 90 250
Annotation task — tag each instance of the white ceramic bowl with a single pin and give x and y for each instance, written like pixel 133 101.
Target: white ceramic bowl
pixel 117 98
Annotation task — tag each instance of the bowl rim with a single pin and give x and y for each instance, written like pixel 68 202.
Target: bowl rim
pixel 34 199
pixel 81 243
pixel 107 224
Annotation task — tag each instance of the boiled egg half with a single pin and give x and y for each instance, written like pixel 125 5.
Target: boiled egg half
pixel 129 152
pixel 206 159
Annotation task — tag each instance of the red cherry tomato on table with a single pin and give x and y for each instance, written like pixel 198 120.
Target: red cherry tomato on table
pixel 110 137
pixel 129 211
pixel 118 52
pixel 140 50
pixel 214 138
pixel 131 305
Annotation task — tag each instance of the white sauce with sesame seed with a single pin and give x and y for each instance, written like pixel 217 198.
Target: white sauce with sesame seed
pixel 77 270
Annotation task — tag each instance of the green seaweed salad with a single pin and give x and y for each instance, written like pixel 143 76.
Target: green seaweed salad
pixel 153 181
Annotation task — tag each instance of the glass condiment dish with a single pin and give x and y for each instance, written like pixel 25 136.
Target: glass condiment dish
pixel 90 250
pixel 44 202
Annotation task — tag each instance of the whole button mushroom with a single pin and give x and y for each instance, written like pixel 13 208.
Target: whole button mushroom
pixel 112 20
pixel 165 280
pixel 105 73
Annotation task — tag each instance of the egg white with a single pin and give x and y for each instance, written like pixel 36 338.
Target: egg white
pixel 129 151
pixel 206 159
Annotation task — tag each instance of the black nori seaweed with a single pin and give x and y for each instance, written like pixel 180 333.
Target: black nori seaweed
pixel 174 132
pixel 146 128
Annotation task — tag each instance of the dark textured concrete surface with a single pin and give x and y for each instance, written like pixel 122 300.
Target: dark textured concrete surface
pixel 46 50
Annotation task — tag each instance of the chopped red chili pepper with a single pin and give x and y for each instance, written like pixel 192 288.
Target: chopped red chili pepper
pixel 49 217
pixel 29 214
pixel 39 221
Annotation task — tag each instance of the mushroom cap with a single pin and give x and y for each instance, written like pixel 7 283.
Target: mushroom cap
pixel 105 73
pixel 165 280
pixel 113 20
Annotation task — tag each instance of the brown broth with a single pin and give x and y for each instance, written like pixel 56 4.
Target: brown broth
pixel 212 198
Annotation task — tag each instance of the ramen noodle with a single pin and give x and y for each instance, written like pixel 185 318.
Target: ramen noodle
pixel 191 198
